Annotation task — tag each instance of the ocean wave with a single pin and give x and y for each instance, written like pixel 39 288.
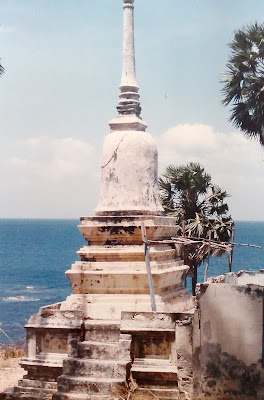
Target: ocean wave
pixel 19 298
pixel 30 287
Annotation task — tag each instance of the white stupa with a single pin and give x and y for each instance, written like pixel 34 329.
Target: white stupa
pixel 130 156
pixel 81 348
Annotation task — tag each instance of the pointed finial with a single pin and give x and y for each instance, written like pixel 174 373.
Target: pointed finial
pixel 129 97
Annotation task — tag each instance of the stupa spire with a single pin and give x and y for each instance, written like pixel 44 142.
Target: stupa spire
pixel 129 170
pixel 129 97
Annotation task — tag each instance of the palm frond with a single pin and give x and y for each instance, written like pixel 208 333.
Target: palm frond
pixel 244 81
pixel 188 194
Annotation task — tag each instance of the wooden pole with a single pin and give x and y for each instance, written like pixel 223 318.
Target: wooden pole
pixel 184 248
pixel 150 281
pixel 230 256
pixel 208 258
pixel 232 251
pixel 183 234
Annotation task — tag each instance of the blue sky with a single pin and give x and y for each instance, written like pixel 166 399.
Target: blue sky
pixel 60 90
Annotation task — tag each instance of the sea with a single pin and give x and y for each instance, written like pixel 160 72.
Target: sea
pixel 34 255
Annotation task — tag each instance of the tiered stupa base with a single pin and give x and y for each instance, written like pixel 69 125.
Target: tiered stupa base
pixel 85 330
pixel 112 277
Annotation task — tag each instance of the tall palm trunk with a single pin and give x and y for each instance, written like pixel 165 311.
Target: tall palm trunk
pixel 194 279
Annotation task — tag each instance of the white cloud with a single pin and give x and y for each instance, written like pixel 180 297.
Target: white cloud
pixel 55 159
pixel 50 177
pixel 234 162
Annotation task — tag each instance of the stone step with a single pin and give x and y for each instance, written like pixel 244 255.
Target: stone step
pixel 161 252
pixel 155 374
pixel 107 351
pixel 108 267
pixel 29 393
pixel 98 350
pixel 34 390
pixel 81 384
pixel 28 396
pixel 79 396
pixel 95 368
pixel 102 330
pixel 157 393
pixel 37 384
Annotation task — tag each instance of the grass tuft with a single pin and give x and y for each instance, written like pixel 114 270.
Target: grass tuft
pixel 13 350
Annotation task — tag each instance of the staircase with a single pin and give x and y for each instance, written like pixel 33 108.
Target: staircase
pixel 156 379
pixel 32 390
pixel 155 372
pixel 100 366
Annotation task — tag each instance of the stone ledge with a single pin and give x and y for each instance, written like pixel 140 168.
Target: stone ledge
pixel 151 321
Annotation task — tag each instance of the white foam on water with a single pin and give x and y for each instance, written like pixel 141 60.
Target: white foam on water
pixel 19 298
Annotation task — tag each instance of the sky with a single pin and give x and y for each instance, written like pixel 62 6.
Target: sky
pixel 60 89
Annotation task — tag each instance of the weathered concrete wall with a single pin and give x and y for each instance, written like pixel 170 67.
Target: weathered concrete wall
pixel 184 353
pixel 230 319
pixel 251 277
pixel 241 278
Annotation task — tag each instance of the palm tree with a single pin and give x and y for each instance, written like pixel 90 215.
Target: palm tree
pixel 244 81
pixel 199 207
